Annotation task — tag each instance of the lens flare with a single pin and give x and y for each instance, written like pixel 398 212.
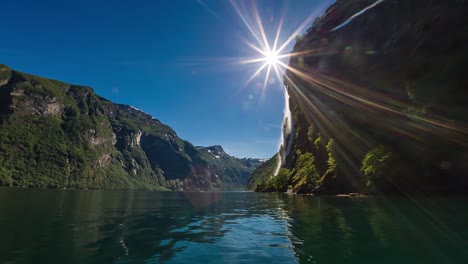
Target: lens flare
pixel 307 85
pixel 270 52
pixel 272 58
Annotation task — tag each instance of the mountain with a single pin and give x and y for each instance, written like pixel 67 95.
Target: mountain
pixel 230 170
pixel 262 174
pixel 378 101
pixel 58 135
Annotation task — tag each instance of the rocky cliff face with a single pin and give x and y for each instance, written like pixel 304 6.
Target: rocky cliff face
pixel 54 134
pixel 379 100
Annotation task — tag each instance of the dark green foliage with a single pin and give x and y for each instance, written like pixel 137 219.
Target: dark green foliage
pixel 28 152
pixel 305 172
pixel 260 176
pixel 56 135
pixel 385 110
pixel 331 162
pixel 279 182
pixel 375 165
pixel 167 156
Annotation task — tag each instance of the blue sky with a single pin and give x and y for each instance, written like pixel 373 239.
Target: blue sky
pixel 170 58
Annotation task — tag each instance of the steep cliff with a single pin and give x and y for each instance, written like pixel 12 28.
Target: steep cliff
pixel 378 96
pixel 58 135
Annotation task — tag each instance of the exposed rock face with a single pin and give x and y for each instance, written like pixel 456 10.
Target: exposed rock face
pixel 105 160
pixel 379 99
pixel 96 140
pixel 5 75
pixel 53 134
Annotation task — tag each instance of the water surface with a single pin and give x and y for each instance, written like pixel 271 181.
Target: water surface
pixel 71 226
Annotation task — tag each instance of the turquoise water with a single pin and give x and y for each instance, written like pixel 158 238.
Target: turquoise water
pixel 70 226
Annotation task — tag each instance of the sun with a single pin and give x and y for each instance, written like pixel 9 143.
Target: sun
pixel 270 52
pixel 272 57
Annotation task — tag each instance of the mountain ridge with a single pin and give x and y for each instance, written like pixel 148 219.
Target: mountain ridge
pixel 58 135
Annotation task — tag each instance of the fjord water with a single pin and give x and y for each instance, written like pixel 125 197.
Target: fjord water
pixel 72 226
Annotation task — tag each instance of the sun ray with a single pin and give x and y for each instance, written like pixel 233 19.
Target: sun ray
pixel 296 32
pixel 262 30
pixel 255 74
pixel 237 8
pixel 267 77
pixel 270 56
pixel 370 100
pixel 250 61
pixel 278 75
pixel 263 52
pixel 278 32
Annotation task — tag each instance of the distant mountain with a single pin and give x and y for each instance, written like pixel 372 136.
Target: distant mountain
pixel 230 170
pixel 58 135
pixel 262 174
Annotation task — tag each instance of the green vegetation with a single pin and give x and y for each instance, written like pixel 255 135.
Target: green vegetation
pixel 231 171
pixel 5 72
pixel 308 172
pixel 386 117
pixel 57 135
pixel 375 165
pixel 331 162
pixel 279 182
pixel 260 176
pixel 305 171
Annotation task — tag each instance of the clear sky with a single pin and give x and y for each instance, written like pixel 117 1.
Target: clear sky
pixel 174 59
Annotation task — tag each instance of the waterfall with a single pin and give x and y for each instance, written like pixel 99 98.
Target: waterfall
pixel 286 133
